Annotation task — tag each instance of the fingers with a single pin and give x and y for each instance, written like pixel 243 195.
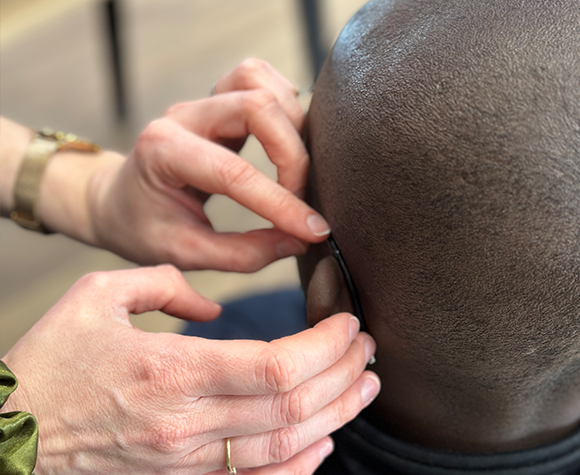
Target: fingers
pixel 239 114
pixel 243 367
pixel 242 415
pixel 141 290
pixel 303 463
pixel 257 74
pixel 280 445
pixel 235 252
pixel 194 161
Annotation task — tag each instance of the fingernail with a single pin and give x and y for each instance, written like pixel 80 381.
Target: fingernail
pixel 326 450
pixel 211 302
pixel 372 360
pixel 353 327
pixel 317 225
pixel 289 247
pixel 369 349
pixel 370 389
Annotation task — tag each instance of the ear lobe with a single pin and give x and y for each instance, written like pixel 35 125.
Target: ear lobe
pixel 327 293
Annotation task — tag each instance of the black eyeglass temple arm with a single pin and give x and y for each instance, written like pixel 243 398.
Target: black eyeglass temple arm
pixel 349 283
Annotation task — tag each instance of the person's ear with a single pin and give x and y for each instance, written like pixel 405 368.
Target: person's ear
pixel 327 293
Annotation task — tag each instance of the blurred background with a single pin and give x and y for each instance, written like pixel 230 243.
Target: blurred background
pixel 103 70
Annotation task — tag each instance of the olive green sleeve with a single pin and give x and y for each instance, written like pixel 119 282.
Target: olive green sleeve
pixel 18 432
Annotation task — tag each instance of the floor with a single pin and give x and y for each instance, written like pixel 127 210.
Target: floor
pixel 54 71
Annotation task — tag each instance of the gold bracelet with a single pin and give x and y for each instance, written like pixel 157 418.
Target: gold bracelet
pixel 43 146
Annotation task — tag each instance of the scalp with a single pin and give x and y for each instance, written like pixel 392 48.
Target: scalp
pixel 445 143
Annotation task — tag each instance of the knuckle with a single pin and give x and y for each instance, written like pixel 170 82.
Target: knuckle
pixel 345 410
pixel 171 250
pixel 248 69
pixel 170 272
pixel 281 371
pixel 159 375
pixel 244 260
pixel 152 132
pixel 167 437
pixel 284 443
pixel 354 368
pixel 283 200
pixel 258 99
pixel 295 406
pixel 150 375
pixel 236 174
pixel 96 281
pixel 152 136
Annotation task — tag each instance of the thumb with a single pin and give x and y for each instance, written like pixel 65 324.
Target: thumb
pixel 145 289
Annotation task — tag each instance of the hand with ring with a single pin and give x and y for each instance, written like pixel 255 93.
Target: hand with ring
pixel 112 399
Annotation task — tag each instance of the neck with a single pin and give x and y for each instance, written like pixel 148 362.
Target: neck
pixel 452 411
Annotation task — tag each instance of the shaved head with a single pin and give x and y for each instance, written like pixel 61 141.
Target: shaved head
pixel 445 144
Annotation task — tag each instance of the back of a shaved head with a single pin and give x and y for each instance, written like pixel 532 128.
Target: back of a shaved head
pixel 445 143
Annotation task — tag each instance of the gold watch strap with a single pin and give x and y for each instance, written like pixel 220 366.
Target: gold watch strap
pixel 43 146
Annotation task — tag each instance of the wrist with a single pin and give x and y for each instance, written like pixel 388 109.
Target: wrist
pixel 68 196
pixel 100 207
pixel 38 192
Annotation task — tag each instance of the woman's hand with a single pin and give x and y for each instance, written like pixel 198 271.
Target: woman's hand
pixel 110 398
pixel 148 207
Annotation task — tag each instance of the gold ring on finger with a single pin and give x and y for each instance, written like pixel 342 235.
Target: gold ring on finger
pixel 231 469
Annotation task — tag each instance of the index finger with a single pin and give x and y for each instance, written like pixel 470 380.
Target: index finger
pixel 198 162
pixel 245 367
pixel 236 115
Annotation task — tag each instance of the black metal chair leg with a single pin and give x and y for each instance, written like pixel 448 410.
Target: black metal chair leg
pixel 317 48
pixel 112 20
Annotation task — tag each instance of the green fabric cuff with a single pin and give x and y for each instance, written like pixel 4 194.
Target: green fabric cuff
pixel 18 432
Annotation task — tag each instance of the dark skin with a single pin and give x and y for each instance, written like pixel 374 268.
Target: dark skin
pixel 408 405
pixel 444 141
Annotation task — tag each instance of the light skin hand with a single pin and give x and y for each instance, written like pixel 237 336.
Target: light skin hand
pixel 110 398
pixel 148 207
